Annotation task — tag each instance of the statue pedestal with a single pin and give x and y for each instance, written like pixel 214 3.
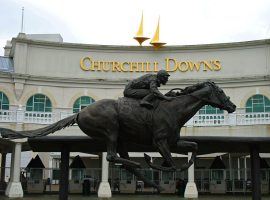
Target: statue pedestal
pixel 14 190
pixel 191 191
pixel 104 190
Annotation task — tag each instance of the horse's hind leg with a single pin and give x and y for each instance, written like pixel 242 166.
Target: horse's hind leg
pixel 112 154
pixel 124 154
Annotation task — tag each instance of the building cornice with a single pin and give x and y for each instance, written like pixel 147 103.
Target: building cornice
pixel 139 48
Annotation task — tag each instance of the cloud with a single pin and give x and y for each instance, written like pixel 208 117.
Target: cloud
pixel 116 22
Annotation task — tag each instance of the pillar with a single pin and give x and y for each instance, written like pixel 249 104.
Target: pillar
pixel 3 167
pixel 64 174
pixel 238 169
pixel 191 188
pixel 104 190
pixel 230 167
pixel 255 172
pixel 245 165
pixel 14 188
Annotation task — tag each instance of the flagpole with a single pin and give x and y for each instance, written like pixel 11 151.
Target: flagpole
pixel 22 20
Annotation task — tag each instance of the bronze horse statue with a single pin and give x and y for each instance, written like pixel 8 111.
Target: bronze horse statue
pixel 123 121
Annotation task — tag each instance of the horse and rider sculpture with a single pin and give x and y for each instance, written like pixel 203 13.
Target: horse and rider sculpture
pixel 143 116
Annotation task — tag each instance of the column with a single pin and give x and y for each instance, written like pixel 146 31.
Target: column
pixel 231 173
pixel 104 190
pixel 238 169
pixel 3 165
pixel 245 165
pixel 191 188
pixel 14 188
pixel 64 171
pixel 255 172
pixel 230 167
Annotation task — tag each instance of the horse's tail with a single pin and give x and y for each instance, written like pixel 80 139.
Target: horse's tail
pixel 69 121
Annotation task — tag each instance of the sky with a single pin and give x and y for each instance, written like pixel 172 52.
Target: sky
pixel 115 22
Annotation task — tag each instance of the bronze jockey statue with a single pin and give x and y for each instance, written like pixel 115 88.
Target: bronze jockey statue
pixel 146 88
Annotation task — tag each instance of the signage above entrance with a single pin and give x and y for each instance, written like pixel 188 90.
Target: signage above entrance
pixel 171 65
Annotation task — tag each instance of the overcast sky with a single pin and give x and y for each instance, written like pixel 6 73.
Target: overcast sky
pixel 114 22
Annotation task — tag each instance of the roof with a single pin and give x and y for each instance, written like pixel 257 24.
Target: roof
pixel 217 164
pixel 264 164
pixel 141 48
pixel 206 145
pixel 77 163
pixel 6 64
pixel 35 163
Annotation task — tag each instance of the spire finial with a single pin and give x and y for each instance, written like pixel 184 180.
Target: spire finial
pixel 155 41
pixel 139 36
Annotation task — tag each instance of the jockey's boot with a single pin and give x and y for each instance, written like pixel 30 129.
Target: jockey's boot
pixel 146 104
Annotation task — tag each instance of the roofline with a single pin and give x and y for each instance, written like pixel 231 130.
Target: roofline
pixel 141 48
pixel 207 144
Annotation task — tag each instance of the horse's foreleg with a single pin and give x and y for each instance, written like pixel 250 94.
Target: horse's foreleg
pixel 163 149
pixel 191 145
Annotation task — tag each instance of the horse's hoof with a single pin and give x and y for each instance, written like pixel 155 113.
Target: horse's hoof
pixel 159 188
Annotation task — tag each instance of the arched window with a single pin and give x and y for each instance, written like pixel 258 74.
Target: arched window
pixel 210 110
pixel 258 103
pixel 4 103
pixel 81 103
pixel 39 103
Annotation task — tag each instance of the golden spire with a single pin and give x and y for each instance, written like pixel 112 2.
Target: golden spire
pixel 155 41
pixel 139 36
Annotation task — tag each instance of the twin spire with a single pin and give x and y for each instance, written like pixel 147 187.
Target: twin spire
pixel 155 40
pixel 139 36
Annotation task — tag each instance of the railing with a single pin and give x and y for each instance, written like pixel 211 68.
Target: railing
pixel 39 117
pixel 199 120
pixel 7 116
pixel 210 120
pixel 253 118
pixel 20 116
pixel 234 119
pixel 65 114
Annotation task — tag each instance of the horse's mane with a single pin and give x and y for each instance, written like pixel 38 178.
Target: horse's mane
pixel 176 92
pixel 173 93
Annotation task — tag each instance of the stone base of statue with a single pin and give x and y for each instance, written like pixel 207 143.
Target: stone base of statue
pixel 191 191
pixel 14 190
pixel 104 190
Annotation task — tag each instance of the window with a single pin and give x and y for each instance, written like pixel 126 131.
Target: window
pixel 217 174
pixel 36 174
pixel 210 110
pixel 81 103
pixel 39 103
pixel 77 174
pixel 167 176
pixel 258 103
pixel 126 175
pixel 4 103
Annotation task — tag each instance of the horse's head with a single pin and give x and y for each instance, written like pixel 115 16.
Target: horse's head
pixel 217 98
